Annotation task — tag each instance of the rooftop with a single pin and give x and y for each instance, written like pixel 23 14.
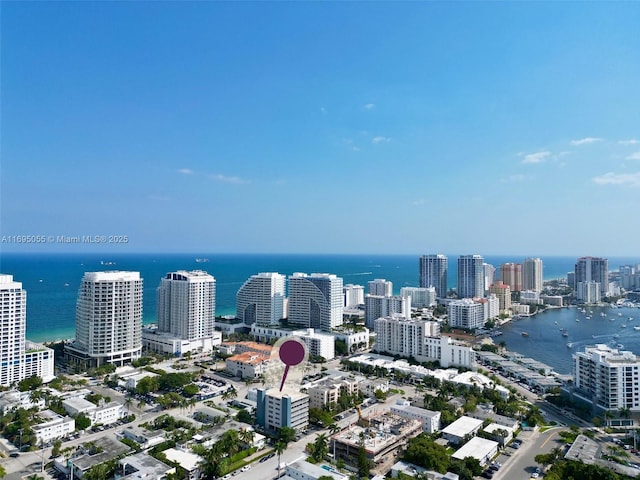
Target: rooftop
pixel 462 426
pixel 478 448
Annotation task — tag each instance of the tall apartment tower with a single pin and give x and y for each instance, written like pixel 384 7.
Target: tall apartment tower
pixel 489 275
pixel 592 269
pixel 13 319
pixel 511 274
pixel 433 273
pixel 380 286
pixel 353 295
pixel 315 300
pixel 19 358
pixel 470 276
pixel 532 277
pixel 187 304
pixel 108 319
pixel 260 300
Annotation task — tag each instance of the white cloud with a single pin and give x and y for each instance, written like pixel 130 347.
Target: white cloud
pixel 418 202
pixel 634 156
pixel 537 157
pixel 226 179
pixel 323 110
pixel 514 178
pixel 585 141
pixel 631 141
pixel 610 178
pixel 380 139
pixel 369 106
pixel 185 171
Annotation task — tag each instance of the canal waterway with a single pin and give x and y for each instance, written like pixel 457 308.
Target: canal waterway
pixel 543 337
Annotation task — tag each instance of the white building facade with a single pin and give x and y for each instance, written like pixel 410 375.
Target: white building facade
pixel 433 273
pixel 261 300
pixel 470 276
pixel 19 358
pixel 378 306
pixel 315 300
pixel 466 313
pixel 108 319
pixel 353 295
pixel 420 297
pixel 532 275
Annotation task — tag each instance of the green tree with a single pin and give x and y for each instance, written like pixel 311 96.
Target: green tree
pixel 57 447
pixel 279 447
pixel 320 447
pixel 341 347
pixel 3 472
pixel 82 421
pixel 287 434
pixel 30 383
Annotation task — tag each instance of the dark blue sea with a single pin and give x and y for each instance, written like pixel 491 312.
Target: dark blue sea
pixel 52 281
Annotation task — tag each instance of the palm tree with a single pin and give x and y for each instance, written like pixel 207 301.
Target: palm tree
pixel 280 447
pixel 333 429
pixel 246 436
pixel 230 393
pixel 320 447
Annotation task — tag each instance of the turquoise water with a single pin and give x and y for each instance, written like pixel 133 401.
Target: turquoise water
pixel 546 343
pixel 52 280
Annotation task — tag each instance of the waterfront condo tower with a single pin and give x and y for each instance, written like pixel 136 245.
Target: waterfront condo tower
pixel 470 276
pixel 511 274
pixel 433 273
pixel 187 304
pixel 19 358
pixel 260 300
pixel 532 277
pixel 591 269
pixel 315 300
pixel 108 319
pixel 380 286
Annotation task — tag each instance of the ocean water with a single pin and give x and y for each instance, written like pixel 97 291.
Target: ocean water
pixel 52 280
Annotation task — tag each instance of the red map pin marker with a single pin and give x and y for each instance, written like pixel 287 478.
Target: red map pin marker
pixel 291 353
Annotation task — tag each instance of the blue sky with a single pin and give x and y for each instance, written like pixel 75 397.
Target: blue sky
pixel 353 127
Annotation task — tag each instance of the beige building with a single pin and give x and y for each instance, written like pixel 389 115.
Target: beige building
pixel 329 391
pixel 503 292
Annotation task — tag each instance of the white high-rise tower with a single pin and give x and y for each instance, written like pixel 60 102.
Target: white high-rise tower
pixel 315 300
pixel 470 276
pixel 261 299
pixel 19 358
pixel 108 319
pixel 433 273
pixel 187 304
pixel 532 274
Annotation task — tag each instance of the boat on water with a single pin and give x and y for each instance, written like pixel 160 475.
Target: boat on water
pixel 619 314
pixel 624 325
pixel 636 328
pixel 619 345
pixel 565 334
pixel 569 345
pixel 588 317
pixel 202 260
pixel 602 314
pixel 525 334
pixel 577 319
pixel 616 336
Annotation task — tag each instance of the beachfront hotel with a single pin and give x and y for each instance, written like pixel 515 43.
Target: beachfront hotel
pixel 19 358
pixel 108 320
pixel 315 300
pixel 186 315
pixel 261 299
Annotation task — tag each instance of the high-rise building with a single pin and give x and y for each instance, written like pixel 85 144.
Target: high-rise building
pixel 261 299
pixel 19 358
pixel 607 378
pixel 468 313
pixel 315 300
pixel 511 274
pixel 353 295
pixel 503 292
pixel 433 273
pixel 592 269
pixel 108 319
pixel 376 306
pixel 532 277
pixel 398 335
pixel 380 286
pixel 489 275
pixel 420 297
pixel 470 276
pixel 187 304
